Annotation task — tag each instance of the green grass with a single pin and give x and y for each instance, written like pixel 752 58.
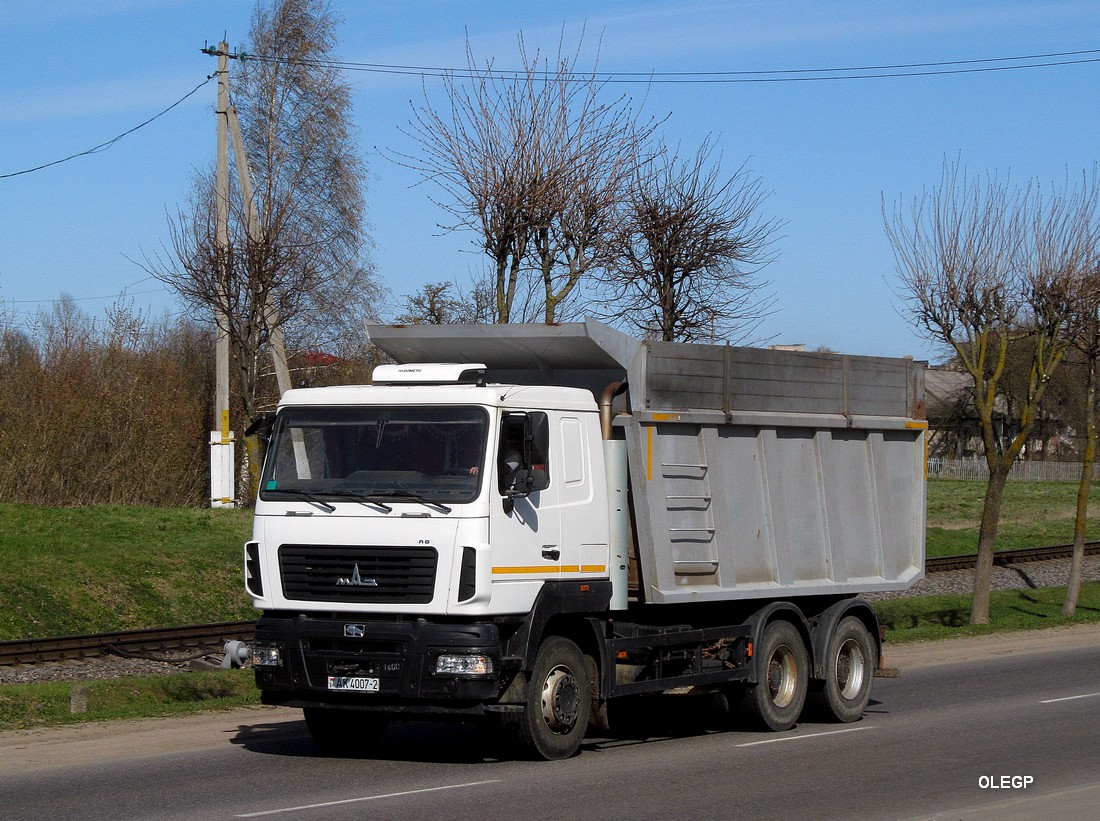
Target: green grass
pixel 97 569
pixel 24 706
pixel 939 617
pixel 1034 514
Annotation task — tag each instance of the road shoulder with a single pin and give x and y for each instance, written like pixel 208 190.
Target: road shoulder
pixel 111 741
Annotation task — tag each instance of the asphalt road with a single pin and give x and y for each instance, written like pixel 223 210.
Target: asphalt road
pixel 996 734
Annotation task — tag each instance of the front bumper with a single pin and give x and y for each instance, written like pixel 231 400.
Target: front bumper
pixel 401 655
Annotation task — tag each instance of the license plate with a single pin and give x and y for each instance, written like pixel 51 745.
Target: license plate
pixel 355 684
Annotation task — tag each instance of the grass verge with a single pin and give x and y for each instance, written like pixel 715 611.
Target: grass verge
pixel 66 571
pixel 48 704
pixel 948 616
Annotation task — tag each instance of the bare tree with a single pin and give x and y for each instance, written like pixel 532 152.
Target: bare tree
pixel 981 264
pixel 689 246
pixel 1064 264
pixel 1088 341
pixel 444 303
pixel 535 163
pixel 226 278
pixel 295 108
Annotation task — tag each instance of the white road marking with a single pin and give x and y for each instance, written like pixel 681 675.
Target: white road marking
pixel 366 798
pixel 1069 698
pixel 801 737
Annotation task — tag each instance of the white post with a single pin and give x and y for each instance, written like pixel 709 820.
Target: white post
pixel 222 452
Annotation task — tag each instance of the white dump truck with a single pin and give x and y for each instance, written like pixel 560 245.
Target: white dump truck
pixel 527 522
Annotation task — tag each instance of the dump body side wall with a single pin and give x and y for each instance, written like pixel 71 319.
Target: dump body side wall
pixel 759 472
pixel 751 511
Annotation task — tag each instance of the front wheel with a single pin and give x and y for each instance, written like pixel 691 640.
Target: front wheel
pixel 849 671
pixel 775 702
pixel 559 701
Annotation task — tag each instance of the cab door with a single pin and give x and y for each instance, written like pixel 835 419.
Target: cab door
pixel 582 534
pixel 525 522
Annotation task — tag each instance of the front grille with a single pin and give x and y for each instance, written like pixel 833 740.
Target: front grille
pixel 352 573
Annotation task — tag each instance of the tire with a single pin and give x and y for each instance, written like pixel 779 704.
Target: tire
pixel 559 701
pixel 849 672
pixel 775 702
pixel 345 732
pixel 726 705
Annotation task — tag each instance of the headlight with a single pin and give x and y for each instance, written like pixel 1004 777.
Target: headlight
pixel 456 664
pixel 267 655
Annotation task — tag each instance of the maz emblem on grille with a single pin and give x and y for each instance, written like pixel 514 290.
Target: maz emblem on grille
pixel 356 580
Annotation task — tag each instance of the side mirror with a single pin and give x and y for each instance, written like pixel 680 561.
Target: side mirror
pixel 262 425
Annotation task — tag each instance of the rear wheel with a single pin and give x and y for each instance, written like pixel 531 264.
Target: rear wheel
pixel 559 701
pixel 849 671
pixel 775 702
pixel 345 732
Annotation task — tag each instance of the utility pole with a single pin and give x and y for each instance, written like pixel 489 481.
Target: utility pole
pixel 222 458
pixel 222 453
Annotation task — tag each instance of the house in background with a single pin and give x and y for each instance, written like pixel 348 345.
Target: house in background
pixel 953 426
pixel 955 431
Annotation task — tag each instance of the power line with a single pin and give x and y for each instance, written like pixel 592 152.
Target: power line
pixel 106 145
pixel 939 68
pixel 123 294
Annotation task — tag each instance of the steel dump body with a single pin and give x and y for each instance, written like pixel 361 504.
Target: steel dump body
pixel 753 473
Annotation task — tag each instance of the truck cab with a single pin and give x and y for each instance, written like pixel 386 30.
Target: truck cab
pixel 500 481
pixel 430 511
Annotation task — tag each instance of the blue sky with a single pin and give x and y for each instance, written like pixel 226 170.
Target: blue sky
pixel 77 74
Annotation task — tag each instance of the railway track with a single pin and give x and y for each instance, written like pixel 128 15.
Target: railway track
pixel 165 644
pixel 942 564
pixel 193 641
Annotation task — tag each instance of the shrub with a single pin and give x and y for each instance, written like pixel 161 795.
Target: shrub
pixel 109 412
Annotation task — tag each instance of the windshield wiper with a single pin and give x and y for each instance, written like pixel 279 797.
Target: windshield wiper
pixel 316 499
pixel 378 498
pixel 305 494
pixel 359 497
pixel 405 494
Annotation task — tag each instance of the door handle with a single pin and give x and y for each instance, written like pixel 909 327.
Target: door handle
pixel 553 554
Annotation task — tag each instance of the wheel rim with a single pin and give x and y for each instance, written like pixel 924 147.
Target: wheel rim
pixel 851 669
pixel 560 700
pixel 782 676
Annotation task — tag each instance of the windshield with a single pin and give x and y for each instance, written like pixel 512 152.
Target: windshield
pixel 429 454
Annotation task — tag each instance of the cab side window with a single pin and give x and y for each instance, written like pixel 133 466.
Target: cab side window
pixel 523 453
